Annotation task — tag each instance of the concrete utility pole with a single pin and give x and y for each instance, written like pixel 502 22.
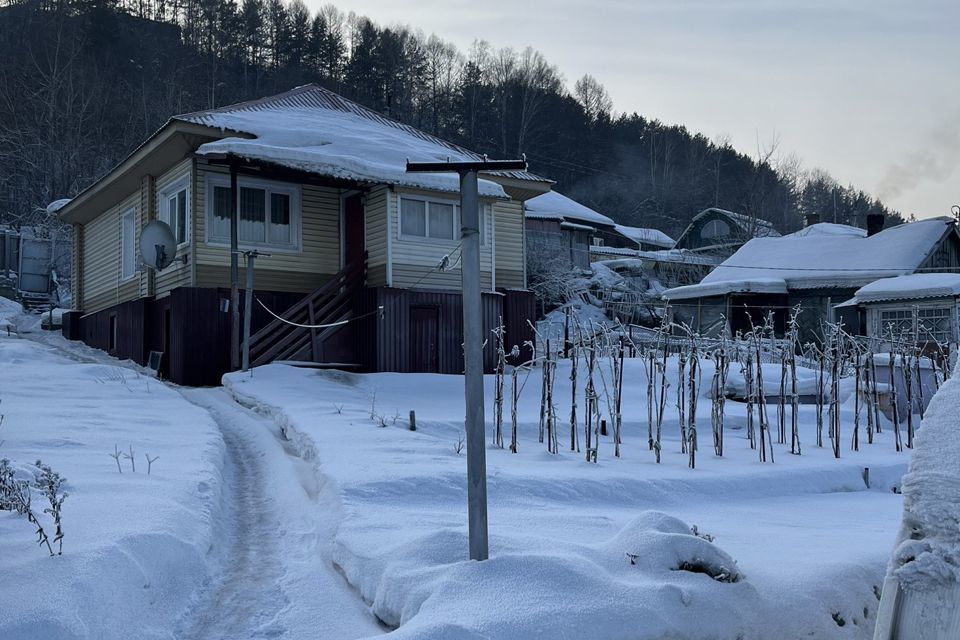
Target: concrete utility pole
pixel 472 335
pixel 234 272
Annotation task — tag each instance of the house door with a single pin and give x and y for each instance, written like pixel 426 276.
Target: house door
pixel 424 334
pixel 353 228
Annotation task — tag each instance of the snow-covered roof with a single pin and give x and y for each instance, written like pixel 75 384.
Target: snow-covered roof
pixel 724 287
pixel 315 130
pixel 765 227
pixel 56 205
pixel 829 229
pixel 684 256
pixel 911 287
pixel 647 236
pixel 823 260
pixel 554 205
pixel 613 251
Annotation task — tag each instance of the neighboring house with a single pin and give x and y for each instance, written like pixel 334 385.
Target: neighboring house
pixel 320 185
pixel 816 268
pixel 645 239
pixel 721 232
pixel 920 308
pixel 561 230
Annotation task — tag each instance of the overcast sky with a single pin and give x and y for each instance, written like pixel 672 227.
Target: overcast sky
pixel 867 89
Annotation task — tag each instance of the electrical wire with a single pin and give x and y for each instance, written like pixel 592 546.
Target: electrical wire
pixel 442 265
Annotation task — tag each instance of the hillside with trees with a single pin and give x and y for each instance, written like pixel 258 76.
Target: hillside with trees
pixel 83 83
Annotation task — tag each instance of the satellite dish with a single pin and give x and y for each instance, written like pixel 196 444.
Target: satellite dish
pixel 158 246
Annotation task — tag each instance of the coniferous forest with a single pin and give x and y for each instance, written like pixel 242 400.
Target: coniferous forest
pixel 84 82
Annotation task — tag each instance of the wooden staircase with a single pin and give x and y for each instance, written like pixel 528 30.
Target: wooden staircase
pixel 331 303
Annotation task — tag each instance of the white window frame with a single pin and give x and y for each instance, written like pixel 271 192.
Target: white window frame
pixel 181 184
pixel 128 264
pixel 269 187
pixel 486 218
pixel 943 311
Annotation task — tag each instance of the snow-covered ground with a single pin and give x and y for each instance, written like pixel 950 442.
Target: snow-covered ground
pixel 804 536
pixel 227 538
pixel 135 546
pixel 296 503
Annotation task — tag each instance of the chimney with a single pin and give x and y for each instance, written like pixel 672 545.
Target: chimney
pixel 874 223
pixel 811 219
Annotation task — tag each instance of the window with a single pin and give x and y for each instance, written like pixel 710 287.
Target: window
pixel 112 337
pixel 932 323
pixel 127 241
pixel 420 218
pixel 175 209
pixel 269 213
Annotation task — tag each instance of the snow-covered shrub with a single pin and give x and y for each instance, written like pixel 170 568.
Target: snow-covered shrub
pixel 16 495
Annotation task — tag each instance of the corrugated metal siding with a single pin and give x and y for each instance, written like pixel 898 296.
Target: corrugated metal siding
pixel 413 259
pixel 177 274
pixel 304 271
pixel 376 204
pixel 519 310
pixel 389 350
pixel 510 258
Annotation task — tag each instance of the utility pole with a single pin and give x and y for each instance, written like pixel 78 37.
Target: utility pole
pixel 248 305
pixel 234 272
pixel 472 335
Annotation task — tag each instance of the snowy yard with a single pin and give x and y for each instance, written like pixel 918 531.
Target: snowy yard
pixel 135 546
pixel 805 541
pixel 281 505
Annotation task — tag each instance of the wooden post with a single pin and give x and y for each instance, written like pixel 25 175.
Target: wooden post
pixel 413 420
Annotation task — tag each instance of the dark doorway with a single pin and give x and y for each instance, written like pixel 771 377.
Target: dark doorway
pixel 353 228
pixel 424 333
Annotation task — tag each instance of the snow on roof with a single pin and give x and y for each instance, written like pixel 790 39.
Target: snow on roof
pixel 575 226
pixel 829 229
pixel 315 130
pixel 648 236
pixel 56 205
pixel 553 204
pixel 613 251
pixel 826 260
pixel 911 287
pixel 741 219
pixel 680 256
pixel 724 287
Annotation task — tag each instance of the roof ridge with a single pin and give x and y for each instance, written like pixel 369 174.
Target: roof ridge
pixel 315 96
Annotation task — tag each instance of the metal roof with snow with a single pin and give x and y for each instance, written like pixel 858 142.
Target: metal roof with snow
pixel 915 286
pixel 646 236
pixel 822 260
pixel 556 206
pixel 315 130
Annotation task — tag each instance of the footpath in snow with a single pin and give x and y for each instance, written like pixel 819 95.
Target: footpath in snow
pixel 799 546
pixel 228 537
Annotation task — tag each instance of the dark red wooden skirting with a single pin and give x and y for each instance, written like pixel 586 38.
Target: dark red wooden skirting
pixel 192 328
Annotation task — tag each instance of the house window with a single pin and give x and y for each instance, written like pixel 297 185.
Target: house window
pixel 928 324
pixel 127 241
pixel 269 213
pixel 422 218
pixel 175 209
pixel 112 337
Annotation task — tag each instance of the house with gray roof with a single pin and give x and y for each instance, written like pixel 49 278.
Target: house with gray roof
pixel 363 256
